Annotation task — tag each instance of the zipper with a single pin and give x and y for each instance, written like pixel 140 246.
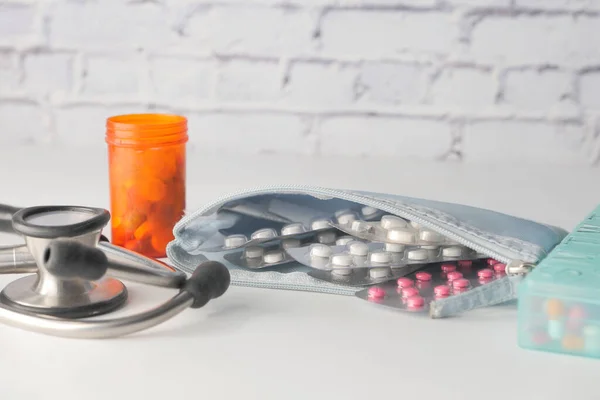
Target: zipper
pixel 514 267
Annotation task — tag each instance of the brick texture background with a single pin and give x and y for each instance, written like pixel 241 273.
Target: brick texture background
pixel 439 80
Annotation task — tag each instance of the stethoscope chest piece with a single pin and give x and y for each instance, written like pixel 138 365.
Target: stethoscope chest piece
pixel 55 295
pixel 73 273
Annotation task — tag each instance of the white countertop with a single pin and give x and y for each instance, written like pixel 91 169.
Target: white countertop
pixel 272 344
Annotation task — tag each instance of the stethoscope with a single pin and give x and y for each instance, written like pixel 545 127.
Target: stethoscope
pixel 73 272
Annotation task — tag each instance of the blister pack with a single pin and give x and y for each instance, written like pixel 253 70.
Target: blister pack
pixel 277 252
pixel 415 291
pixel 357 263
pixel 388 229
pixel 227 234
pixel 260 256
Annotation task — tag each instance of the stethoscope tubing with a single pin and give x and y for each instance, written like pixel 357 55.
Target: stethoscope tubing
pixel 99 329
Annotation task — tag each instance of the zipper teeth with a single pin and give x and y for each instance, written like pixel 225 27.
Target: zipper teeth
pixel 351 197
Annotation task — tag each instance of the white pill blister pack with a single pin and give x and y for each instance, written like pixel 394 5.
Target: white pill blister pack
pixel 388 229
pixel 357 263
pixel 261 256
pixel 276 251
pixel 319 230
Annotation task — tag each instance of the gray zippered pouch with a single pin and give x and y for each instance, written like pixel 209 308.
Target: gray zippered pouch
pixel 517 242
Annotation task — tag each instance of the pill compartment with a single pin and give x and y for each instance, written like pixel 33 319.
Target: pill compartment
pixel 414 292
pixel 559 301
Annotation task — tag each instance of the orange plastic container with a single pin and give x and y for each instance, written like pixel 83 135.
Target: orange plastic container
pixel 147 171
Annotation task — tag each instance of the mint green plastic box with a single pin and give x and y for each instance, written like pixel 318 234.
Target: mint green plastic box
pixel 559 301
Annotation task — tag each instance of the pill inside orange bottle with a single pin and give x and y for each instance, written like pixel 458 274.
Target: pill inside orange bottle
pixel 147 172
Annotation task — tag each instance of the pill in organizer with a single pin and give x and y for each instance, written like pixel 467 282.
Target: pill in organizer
pixel 357 263
pixel 559 300
pixel 415 291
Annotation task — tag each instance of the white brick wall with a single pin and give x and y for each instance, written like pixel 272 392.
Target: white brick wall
pixel 467 80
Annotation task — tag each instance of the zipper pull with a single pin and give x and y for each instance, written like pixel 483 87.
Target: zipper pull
pixel 518 267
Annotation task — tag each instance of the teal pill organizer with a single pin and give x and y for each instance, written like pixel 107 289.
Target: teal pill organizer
pixel 559 301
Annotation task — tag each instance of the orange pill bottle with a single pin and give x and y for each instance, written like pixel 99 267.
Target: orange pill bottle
pixel 147 172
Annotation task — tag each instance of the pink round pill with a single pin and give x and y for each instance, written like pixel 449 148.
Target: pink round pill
pixel 415 302
pixel 540 338
pixel 465 263
pixel 454 275
pixel 448 268
pixel 483 281
pixel 491 262
pixel 409 292
pixel 460 290
pixel 460 283
pixel 499 268
pixel 404 282
pixel 577 313
pixel 376 292
pixel 423 276
pixel 441 291
pixel 485 273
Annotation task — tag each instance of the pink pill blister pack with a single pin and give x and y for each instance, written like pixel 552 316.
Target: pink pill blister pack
pixel 356 263
pixel 415 291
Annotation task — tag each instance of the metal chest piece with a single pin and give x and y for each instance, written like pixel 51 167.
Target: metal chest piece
pixel 48 293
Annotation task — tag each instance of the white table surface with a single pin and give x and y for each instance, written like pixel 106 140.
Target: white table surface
pixel 271 344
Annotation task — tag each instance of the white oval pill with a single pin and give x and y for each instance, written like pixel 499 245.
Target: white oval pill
pixel 361 226
pixel 267 233
pixel 377 273
pixel 346 218
pixel 380 257
pixel 368 211
pixel 320 250
pixel 293 229
pixel 235 241
pixel 395 247
pixel 401 236
pixel 344 240
pixel 253 252
pixel 415 225
pixel 320 224
pixel 431 236
pixel 358 249
pixel 291 243
pixel 344 271
pixel 418 255
pixel 391 221
pixel 341 260
pixel 326 237
pixel 454 251
pixel 274 256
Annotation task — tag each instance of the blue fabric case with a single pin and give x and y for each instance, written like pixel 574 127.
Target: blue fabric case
pixel 503 237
